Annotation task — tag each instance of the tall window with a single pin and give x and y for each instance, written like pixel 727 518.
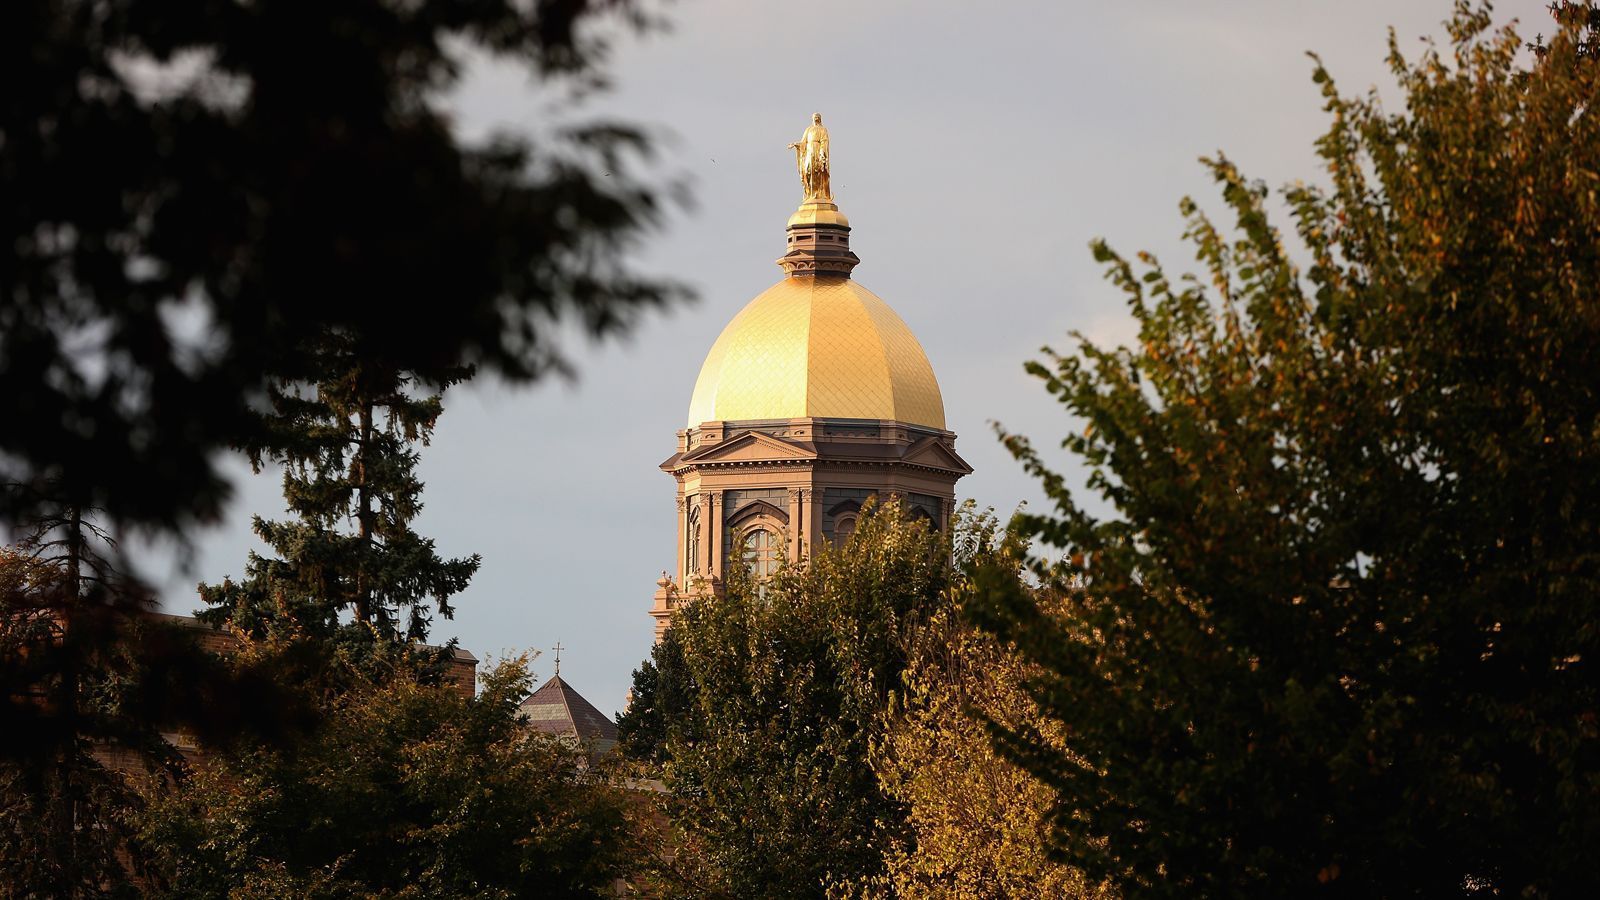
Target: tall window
pixel 691 563
pixel 760 553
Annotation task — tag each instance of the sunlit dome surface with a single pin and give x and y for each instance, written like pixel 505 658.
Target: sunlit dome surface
pixel 817 346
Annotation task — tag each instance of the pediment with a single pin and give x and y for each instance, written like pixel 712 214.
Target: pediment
pixel 752 446
pixel 757 509
pixel 933 453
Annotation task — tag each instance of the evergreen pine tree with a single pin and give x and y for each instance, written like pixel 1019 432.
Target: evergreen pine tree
pixel 349 566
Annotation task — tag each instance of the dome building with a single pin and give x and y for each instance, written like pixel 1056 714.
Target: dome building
pixel 815 397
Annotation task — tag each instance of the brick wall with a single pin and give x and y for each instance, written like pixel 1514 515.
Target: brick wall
pixel 462 673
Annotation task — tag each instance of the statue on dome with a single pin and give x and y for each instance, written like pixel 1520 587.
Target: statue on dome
pixel 811 157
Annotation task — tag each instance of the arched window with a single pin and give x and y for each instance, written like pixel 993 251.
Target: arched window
pixel 843 527
pixel 691 544
pixel 760 553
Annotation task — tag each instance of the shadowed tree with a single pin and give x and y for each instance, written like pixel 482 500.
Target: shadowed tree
pixel 202 199
pixel 658 702
pixel 407 790
pixel 88 679
pixel 197 195
pixel 763 706
pixel 57 597
pixel 976 823
pixel 1338 635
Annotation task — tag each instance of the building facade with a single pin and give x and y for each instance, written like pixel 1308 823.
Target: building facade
pixel 815 398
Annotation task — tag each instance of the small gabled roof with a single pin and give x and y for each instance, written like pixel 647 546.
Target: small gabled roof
pixel 555 708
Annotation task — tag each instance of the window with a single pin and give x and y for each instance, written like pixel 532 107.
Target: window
pixel 760 553
pixel 691 562
pixel 843 527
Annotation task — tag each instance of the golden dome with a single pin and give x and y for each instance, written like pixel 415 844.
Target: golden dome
pixel 817 346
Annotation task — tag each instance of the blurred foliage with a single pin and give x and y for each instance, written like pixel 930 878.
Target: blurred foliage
pixel 213 212
pixel 1580 19
pixel 408 790
pixel 196 194
pixel 1339 636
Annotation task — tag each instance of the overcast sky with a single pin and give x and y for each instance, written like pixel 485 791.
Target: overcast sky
pixel 977 149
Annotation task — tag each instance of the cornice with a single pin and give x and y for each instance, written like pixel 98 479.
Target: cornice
pixel 812 463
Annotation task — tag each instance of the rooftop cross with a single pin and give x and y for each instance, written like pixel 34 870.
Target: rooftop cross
pixel 558 648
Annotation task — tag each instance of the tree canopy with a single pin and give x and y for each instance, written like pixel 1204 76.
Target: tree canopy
pixel 253 226
pixel 408 790
pixel 976 823
pixel 823 732
pixel 1338 634
pixel 778 698
pixel 88 685
pixel 195 195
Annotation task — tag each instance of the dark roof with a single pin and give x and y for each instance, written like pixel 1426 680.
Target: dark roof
pixel 555 708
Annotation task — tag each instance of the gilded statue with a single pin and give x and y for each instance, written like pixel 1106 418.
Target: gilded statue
pixel 811 157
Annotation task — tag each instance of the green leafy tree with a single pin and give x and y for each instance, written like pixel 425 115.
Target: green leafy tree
pixel 1337 637
pixel 659 701
pixel 976 823
pixel 348 448
pixel 781 688
pixel 408 790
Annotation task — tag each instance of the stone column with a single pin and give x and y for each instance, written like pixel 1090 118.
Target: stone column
pixel 796 510
pixel 683 542
pixel 813 524
pixel 704 559
pixel 714 532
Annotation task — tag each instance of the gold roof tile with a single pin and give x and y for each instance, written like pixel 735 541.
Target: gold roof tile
pixel 817 346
